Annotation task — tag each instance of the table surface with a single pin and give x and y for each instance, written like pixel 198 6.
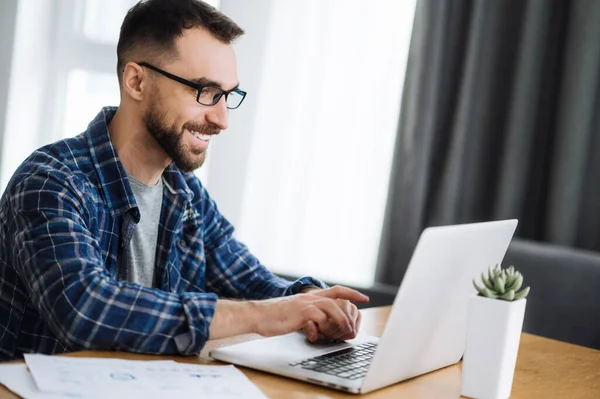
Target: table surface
pixel 545 369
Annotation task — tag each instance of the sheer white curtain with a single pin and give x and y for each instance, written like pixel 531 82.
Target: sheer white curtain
pixel 323 136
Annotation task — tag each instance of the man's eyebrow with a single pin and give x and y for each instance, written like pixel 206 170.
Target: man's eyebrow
pixel 208 82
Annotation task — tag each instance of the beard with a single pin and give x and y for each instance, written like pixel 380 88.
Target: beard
pixel 172 139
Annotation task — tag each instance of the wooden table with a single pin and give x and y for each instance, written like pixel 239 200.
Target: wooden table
pixel 545 369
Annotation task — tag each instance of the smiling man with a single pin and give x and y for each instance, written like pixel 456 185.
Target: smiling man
pixel 108 241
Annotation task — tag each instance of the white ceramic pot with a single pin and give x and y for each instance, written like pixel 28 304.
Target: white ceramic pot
pixel 492 342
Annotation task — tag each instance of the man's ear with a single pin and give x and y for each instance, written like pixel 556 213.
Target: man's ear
pixel 135 80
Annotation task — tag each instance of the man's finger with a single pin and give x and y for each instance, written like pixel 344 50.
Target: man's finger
pixel 356 317
pixel 353 311
pixel 350 309
pixel 339 292
pixel 334 320
pixel 336 317
pixel 311 331
pixel 358 321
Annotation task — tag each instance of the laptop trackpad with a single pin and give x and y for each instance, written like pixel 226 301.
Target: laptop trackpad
pixel 285 348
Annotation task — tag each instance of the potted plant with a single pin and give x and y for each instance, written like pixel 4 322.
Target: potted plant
pixel 494 325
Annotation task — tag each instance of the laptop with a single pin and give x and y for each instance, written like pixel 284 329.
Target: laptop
pixel 425 330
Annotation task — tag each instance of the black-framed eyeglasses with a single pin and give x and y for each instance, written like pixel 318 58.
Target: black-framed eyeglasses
pixel 208 94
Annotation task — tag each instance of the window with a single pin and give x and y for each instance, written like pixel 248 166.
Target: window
pixel 63 71
pixel 322 134
pixel 86 93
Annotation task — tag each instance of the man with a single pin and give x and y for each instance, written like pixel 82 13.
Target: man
pixel 108 241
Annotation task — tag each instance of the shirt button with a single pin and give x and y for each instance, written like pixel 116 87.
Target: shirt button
pixel 182 243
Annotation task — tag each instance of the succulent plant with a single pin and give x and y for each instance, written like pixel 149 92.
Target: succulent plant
pixel 502 284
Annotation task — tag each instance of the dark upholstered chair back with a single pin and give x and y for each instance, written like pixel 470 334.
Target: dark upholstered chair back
pixel 564 302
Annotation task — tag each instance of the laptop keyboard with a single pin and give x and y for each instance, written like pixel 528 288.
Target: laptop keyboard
pixel 350 363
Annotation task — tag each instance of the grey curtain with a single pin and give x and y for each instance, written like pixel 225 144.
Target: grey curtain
pixel 500 118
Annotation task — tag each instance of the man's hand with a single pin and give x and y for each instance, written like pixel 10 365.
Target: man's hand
pixel 328 312
pixel 314 331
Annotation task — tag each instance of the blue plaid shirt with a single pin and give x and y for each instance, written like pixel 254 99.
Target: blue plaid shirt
pixel 67 217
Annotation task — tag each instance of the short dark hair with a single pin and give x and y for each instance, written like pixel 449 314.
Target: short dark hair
pixel 153 25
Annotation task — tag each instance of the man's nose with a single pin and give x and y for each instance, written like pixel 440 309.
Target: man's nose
pixel 218 114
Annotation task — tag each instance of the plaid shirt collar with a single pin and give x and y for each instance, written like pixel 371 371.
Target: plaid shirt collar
pixel 113 177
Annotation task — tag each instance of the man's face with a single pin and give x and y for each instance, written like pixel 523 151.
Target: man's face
pixel 180 125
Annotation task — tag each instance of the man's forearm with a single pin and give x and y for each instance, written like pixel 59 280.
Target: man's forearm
pixel 233 318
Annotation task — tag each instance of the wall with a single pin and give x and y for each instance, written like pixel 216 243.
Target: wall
pixel 8 18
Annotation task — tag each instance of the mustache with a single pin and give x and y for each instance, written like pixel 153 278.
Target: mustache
pixel 204 129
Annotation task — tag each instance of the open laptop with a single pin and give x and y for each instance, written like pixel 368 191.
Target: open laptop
pixel 425 329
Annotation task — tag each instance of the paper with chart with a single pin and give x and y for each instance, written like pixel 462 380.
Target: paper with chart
pixel 19 380
pixel 117 377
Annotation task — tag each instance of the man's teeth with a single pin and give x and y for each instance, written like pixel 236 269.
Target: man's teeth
pixel 204 137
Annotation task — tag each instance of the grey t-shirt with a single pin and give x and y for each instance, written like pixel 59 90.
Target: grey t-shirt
pixel 142 252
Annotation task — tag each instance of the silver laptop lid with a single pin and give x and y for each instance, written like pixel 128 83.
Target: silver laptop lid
pixel 426 327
